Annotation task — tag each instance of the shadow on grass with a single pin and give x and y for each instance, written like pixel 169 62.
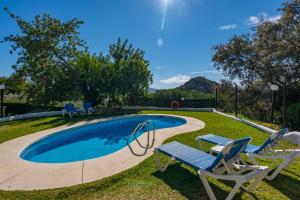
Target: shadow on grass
pixel 77 118
pixel 67 120
pixel 17 122
pixel 287 185
pixel 293 173
pixel 190 185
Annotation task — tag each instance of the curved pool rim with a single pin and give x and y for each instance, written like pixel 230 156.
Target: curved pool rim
pixel 178 121
pixel 15 172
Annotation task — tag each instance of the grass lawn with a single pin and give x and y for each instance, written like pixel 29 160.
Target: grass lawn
pixel 144 181
pixel 269 125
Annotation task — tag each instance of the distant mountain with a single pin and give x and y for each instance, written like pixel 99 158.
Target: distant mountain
pixel 201 84
pixel 152 90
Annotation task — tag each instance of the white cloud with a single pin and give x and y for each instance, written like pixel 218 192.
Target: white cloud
pixel 274 18
pixel 160 42
pixel 176 79
pixel 206 72
pixel 227 27
pixel 161 67
pixel 255 20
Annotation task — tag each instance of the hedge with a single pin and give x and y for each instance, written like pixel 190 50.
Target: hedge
pixel 23 108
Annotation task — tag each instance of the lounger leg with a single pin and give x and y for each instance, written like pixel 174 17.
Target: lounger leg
pixel 211 193
pixel 159 165
pixel 253 161
pixel 234 190
pixel 259 178
pixel 284 164
pixel 207 186
pixel 286 161
pixel 200 144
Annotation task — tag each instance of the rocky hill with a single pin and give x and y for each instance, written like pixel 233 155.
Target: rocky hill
pixel 200 84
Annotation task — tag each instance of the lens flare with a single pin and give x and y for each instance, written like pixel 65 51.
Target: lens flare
pixel 165 5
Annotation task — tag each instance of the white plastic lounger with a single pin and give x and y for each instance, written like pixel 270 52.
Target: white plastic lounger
pixel 221 167
pixel 266 150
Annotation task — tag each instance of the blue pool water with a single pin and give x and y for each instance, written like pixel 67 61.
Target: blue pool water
pixel 93 140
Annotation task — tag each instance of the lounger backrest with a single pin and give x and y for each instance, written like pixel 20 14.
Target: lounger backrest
pixel 231 151
pixel 234 148
pixel 272 140
pixel 70 107
pixel 87 106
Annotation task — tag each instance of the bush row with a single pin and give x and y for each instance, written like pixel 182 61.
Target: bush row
pixel 23 108
pixel 186 103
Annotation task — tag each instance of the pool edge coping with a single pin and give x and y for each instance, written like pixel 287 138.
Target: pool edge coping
pixel 15 176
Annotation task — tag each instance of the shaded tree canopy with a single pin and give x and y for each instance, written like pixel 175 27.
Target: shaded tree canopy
pixel 93 77
pixel 45 48
pixel 271 53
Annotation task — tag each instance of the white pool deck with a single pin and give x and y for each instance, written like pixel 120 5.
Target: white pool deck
pixel 19 174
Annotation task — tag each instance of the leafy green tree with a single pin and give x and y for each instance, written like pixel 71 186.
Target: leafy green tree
pixel 132 77
pixel 3 79
pixel 226 93
pixel 270 54
pixel 94 77
pixel 253 99
pixel 45 49
pixel 118 78
pixel 180 93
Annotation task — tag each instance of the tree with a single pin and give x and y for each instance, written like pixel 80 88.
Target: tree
pixel 118 78
pixel 255 100
pixel 131 78
pixel 94 77
pixel 45 49
pixel 178 93
pixel 3 79
pixel 270 54
pixel 226 91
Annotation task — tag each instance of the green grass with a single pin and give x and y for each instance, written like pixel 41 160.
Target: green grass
pixel 14 129
pixel 144 181
pixel 266 124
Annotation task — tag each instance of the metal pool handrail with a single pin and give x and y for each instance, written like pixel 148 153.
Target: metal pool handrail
pixel 138 128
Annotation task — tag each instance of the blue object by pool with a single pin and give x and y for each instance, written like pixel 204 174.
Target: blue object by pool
pixel 93 140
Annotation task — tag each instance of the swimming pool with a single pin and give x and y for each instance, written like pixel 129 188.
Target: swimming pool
pixel 93 140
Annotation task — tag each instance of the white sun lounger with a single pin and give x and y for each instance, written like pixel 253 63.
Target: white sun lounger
pixel 221 167
pixel 266 150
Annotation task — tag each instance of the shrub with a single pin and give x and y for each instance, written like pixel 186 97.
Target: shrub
pixel 293 115
pixel 23 108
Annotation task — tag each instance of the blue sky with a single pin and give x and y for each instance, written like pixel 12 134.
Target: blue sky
pixel 177 35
